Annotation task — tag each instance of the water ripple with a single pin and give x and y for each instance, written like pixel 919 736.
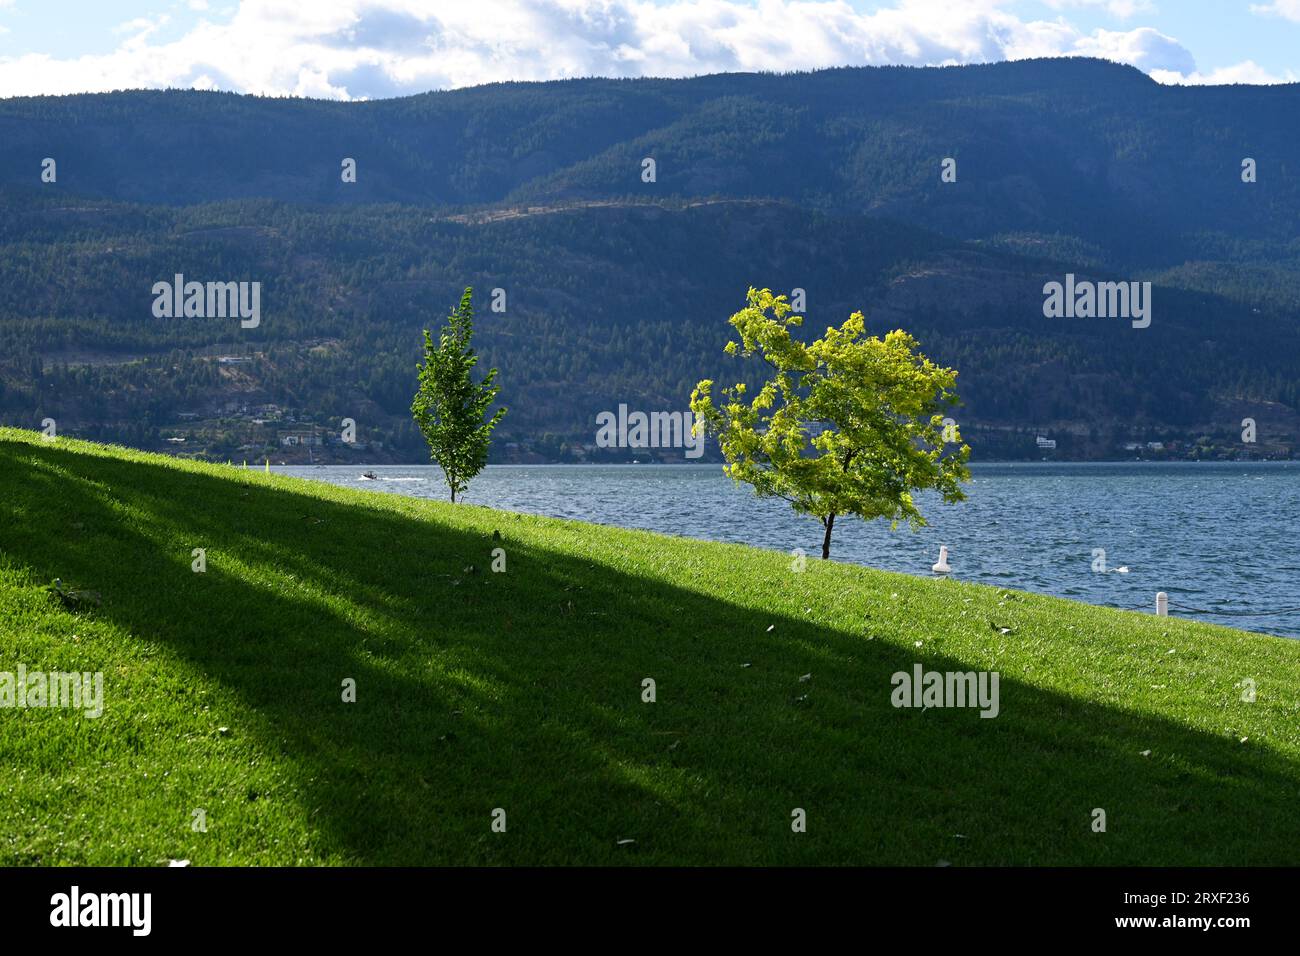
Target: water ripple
pixel 1216 537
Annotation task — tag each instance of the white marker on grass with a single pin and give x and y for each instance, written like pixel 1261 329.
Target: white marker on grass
pixel 942 566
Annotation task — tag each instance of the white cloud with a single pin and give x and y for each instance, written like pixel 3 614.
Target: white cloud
pixel 1287 9
pixel 1120 9
pixel 376 48
pixel 140 29
pixel 1247 71
pixel 1145 48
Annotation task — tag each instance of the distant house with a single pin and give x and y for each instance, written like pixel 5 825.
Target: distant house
pixel 298 437
pixel 1156 445
pixel 1045 444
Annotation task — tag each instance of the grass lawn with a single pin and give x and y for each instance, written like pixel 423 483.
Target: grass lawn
pixel 522 690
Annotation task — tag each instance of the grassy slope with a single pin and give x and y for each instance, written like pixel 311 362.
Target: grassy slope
pixel 522 690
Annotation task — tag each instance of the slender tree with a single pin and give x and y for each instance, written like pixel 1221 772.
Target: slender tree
pixel 450 407
pixel 847 425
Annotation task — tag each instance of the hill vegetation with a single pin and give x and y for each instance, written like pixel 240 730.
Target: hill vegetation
pixel 617 290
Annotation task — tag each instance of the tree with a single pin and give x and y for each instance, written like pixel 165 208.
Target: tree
pixel 450 406
pixel 847 425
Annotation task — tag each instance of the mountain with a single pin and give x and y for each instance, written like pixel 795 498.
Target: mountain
pixel 617 290
pixel 1079 147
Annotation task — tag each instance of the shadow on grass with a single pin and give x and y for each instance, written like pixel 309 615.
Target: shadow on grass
pixel 522 691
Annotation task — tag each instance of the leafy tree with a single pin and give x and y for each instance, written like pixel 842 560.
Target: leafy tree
pixel 848 424
pixel 450 406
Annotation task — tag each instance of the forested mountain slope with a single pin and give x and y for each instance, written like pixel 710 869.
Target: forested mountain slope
pixel 618 290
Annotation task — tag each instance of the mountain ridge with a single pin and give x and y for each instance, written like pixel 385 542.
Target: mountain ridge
pixel 1072 143
pixel 827 181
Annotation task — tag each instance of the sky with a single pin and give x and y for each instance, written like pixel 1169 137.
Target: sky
pixel 373 49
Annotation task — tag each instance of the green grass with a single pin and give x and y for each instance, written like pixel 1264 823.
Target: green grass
pixel 522 690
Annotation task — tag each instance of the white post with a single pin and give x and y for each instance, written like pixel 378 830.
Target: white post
pixel 1162 604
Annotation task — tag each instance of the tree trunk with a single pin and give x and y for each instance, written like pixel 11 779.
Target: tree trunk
pixel 829 522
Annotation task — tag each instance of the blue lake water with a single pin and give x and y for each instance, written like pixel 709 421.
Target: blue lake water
pixel 1219 538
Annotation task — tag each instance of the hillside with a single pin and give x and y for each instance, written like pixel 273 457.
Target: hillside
pixel 1085 148
pixel 522 691
pixel 618 290
pixel 605 304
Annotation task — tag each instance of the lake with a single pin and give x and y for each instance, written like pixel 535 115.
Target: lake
pixel 1218 537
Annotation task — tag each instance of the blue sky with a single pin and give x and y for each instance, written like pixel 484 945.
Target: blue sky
pixel 349 49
